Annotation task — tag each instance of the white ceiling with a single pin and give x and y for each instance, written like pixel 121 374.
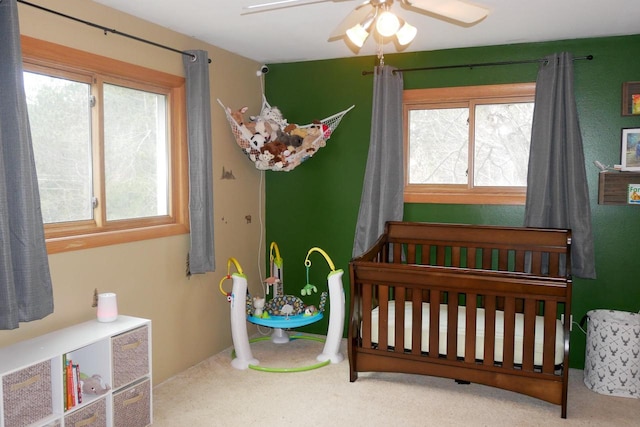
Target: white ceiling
pixel 301 33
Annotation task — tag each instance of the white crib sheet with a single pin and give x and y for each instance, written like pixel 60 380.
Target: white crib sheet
pixel 498 350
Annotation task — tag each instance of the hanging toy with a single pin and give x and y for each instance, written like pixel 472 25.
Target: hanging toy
pixel 229 295
pixel 308 288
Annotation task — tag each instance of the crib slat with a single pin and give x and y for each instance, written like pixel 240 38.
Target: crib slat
pixel 455 256
pixel 411 253
pixel 549 346
pixel 509 332
pixel 440 254
pixel 489 330
pixel 503 259
pixel 470 328
pixel 434 323
pixel 452 326
pixel 399 332
pixel 416 313
pixel 486 258
pixel 471 257
pixel 383 317
pixel 367 306
pixel 529 334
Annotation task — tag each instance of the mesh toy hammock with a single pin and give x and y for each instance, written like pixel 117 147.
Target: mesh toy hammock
pixel 273 144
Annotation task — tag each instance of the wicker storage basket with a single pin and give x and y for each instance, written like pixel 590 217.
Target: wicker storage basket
pixel 132 406
pixel 92 415
pixel 27 395
pixel 130 356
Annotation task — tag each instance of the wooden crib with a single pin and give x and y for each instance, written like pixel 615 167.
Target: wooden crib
pixel 511 285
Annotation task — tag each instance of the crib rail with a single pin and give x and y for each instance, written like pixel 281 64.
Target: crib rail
pixel 537 251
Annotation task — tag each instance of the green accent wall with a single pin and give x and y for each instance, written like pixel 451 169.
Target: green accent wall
pixel 317 203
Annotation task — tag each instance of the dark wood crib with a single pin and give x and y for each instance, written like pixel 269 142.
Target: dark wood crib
pixel 491 299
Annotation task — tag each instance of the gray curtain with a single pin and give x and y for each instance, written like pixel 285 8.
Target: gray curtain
pixel 382 193
pixel 201 251
pixel 25 281
pixel 557 192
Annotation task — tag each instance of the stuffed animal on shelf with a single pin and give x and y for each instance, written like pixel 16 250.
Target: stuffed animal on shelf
pixel 93 384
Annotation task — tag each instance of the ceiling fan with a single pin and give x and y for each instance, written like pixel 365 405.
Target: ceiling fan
pixel 377 14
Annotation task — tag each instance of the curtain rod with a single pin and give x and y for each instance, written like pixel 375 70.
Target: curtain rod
pixel 110 30
pixel 484 64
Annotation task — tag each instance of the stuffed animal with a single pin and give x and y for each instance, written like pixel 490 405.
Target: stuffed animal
pixel 258 306
pixel 293 140
pixel 264 159
pixel 279 150
pixel 256 141
pixel 93 384
pixel 310 310
pixel 266 129
pixel 273 115
pixel 296 130
pixel 246 129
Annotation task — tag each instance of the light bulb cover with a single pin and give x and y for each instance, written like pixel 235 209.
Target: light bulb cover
pixel 387 24
pixel 406 34
pixel 357 34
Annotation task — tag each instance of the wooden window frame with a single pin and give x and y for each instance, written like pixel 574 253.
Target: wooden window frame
pixel 469 96
pixel 63 237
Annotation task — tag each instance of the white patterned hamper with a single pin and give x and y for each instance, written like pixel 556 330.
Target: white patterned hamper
pixel 612 359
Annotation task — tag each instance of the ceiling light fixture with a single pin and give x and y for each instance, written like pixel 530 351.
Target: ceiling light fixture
pixel 386 24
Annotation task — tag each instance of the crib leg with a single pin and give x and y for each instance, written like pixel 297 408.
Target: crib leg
pixel 462 382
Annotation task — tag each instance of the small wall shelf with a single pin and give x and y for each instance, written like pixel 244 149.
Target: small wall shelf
pixel 613 186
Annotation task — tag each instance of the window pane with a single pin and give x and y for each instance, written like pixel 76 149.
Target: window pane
pixel 60 119
pixel 438 146
pixel 136 154
pixel 502 139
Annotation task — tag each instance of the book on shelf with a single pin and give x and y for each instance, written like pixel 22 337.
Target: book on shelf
pixel 72 384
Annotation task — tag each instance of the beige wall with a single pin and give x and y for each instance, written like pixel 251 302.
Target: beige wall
pixel 190 317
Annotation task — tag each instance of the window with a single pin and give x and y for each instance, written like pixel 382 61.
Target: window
pixel 109 146
pixel 468 144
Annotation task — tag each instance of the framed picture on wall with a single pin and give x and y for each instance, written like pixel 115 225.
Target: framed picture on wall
pixel 630 149
pixel 630 98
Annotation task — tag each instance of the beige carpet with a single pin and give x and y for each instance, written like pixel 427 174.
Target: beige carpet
pixel 213 393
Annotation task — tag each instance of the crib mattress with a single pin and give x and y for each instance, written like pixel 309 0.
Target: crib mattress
pixel 499 332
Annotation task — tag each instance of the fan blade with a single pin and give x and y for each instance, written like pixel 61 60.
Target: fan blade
pixel 355 17
pixel 279 4
pixel 454 9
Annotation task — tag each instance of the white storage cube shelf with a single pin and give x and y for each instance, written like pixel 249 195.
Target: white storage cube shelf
pixel 89 345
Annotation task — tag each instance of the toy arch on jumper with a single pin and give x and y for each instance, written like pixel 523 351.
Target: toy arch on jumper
pixel 272 143
pixel 241 313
